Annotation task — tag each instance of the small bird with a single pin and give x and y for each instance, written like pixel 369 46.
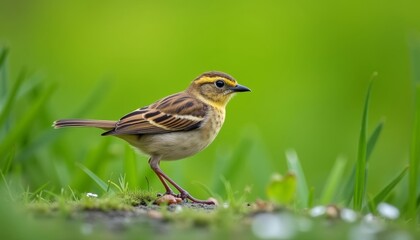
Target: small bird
pixel 175 127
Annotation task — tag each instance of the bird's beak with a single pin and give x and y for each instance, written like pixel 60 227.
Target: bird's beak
pixel 240 88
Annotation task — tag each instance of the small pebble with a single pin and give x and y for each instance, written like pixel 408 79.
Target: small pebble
pixel 168 200
pixel 348 215
pixel 317 211
pixel 91 195
pixel 388 211
pixel 332 211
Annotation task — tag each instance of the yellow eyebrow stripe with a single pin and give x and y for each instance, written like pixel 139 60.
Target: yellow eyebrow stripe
pixel 206 79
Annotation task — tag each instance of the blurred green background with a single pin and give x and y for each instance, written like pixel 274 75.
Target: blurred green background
pixel 308 64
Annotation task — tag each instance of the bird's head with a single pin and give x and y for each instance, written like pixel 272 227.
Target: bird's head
pixel 216 88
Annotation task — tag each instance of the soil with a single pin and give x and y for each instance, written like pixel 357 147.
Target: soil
pixel 119 220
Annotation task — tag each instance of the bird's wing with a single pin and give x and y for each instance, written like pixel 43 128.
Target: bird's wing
pixel 178 112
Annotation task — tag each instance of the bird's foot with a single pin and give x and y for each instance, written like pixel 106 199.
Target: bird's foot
pixel 170 197
pixel 210 201
pixel 184 195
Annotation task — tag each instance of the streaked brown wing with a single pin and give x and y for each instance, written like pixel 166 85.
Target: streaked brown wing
pixel 178 112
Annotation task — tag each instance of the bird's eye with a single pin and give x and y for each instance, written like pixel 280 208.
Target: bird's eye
pixel 219 83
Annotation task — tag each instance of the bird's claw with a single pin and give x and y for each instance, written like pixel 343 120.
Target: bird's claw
pixel 169 197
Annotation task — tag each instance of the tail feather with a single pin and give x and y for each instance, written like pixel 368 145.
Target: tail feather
pixel 103 124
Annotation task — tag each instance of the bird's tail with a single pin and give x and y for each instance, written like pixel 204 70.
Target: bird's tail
pixel 103 124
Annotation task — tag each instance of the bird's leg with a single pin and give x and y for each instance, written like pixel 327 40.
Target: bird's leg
pixel 183 194
pixel 167 188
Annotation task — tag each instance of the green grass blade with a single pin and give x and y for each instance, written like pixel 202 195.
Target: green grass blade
pixel 295 167
pixel 333 181
pixel 414 160
pixel 24 122
pixel 349 186
pixel 361 166
pixel 8 162
pixel 130 167
pixel 94 161
pixel 373 139
pixel 249 156
pixel 311 197
pixel 234 202
pixel 94 177
pixel 3 56
pixel 258 160
pixel 208 190
pixel 43 139
pixel 33 83
pixel 230 196
pixel 3 71
pixel 11 98
pixel 370 204
pixel 388 188
pixel 229 167
pixel 6 185
pixel 418 200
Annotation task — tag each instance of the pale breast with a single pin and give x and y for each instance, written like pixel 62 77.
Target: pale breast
pixel 178 145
